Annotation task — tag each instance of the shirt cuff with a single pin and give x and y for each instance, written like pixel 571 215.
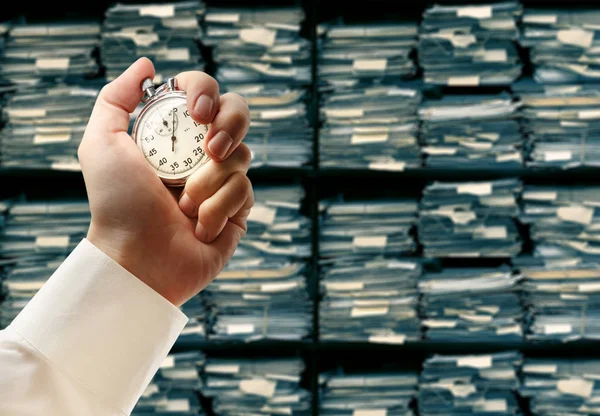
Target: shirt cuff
pixel 101 325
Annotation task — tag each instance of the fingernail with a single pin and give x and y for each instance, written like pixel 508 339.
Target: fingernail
pixel 187 206
pixel 220 144
pixel 201 232
pixel 204 107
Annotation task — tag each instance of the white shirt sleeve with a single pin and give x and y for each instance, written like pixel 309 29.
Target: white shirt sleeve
pixel 88 343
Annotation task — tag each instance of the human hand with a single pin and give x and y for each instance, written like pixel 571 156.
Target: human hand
pixel 177 247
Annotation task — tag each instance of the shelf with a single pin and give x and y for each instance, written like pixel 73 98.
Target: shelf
pixel 462 347
pixel 413 348
pixel 66 10
pixel 52 184
pixel 427 173
pixel 462 173
pixel 355 183
pixel 37 173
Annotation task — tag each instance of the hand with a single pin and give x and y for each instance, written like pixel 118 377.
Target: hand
pixel 175 247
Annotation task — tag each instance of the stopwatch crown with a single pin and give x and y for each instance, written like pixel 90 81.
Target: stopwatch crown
pixel 148 88
pixel 147 84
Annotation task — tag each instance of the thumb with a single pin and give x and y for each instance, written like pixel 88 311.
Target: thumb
pixel 117 100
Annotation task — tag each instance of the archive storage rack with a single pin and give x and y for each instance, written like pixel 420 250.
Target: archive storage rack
pixel 320 183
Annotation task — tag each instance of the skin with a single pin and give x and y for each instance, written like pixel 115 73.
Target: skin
pixel 175 241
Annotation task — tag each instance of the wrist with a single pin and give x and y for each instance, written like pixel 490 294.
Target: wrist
pixel 126 250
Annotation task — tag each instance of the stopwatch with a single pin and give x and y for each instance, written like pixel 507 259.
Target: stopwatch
pixel 171 141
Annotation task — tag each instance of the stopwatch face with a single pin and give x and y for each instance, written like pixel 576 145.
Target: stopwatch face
pixel 172 142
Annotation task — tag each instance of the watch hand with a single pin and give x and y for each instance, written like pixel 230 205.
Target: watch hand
pixel 165 122
pixel 173 138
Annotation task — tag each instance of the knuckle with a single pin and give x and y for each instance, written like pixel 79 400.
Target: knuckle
pixel 239 118
pixel 193 186
pixel 243 225
pixel 235 98
pixel 207 211
pixel 241 99
pixel 104 91
pixel 250 200
pixel 244 155
pixel 228 96
pixel 241 184
pixel 82 149
pixel 80 152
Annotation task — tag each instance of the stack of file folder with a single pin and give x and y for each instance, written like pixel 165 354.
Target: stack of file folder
pixel 50 52
pixel 471 131
pixel 563 44
pixel 35 239
pixel 387 393
pixel 562 221
pixel 258 45
pixel 562 301
pixel 561 124
pixel 370 127
pixel 22 279
pixel 260 55
pixel 45 125
pixel 195 329
pixel 166 33
pixel 260 386
pixel 262 292
pixel 370 117
pixel 470 219
pixel 470 385
pixel 352 53
pixel 480 305
pixel 367 227
pixel 561 386
pixel 371 299
pixel 470 45
pixel 173 390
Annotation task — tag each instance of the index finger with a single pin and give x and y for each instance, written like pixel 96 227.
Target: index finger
pixel 202 93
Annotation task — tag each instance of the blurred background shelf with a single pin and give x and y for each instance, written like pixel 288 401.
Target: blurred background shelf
pixel 322 183
pixel 415 349
pixel 461 174
pixel 64 183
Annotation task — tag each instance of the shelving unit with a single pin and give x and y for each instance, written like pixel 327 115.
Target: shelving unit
pixel 318 183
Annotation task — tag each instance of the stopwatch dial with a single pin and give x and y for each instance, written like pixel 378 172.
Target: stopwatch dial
pixel 164 121
pixel 179 153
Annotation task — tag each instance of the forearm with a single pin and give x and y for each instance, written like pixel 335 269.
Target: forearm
pixel 94 335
